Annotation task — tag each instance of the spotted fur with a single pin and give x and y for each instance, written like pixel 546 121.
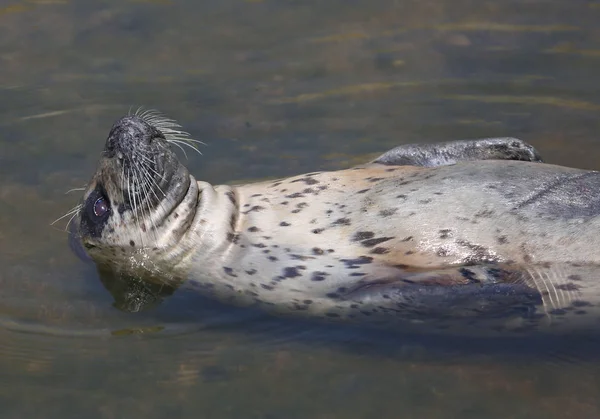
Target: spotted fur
pixel 475 241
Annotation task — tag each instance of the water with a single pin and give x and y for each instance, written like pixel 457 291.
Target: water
pixel 275 88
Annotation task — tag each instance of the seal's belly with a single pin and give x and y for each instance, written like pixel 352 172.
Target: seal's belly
pixel 413 244
pixel 464 214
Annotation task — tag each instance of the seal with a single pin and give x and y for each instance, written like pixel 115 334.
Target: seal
pixel 475 237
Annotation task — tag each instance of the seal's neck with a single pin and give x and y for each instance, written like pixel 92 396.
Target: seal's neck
pixel 212 228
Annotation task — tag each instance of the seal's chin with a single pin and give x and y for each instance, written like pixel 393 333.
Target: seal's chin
pixel 140 201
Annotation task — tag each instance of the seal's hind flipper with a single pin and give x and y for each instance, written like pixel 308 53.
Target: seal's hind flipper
pixel 448 153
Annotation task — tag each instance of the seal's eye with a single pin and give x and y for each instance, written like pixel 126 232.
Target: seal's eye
pixel 100 207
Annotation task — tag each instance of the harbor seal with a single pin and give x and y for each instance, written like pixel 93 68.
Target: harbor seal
pixel 473 237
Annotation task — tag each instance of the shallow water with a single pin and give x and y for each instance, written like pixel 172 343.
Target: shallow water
pixel 274 88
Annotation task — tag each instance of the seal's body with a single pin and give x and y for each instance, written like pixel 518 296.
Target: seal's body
pixel 473 237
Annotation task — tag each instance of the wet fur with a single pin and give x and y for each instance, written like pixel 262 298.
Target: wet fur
pixel 458 238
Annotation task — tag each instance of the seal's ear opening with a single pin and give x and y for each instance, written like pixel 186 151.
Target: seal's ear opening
pixel 131 294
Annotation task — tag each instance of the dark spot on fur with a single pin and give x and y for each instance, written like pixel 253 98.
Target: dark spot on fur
pixel 568 287
pixel 229 271
pixel 375 179
pixel 388 212
pixel 342 221
pixel 317 251
pixel 502 239
pixel 131 243
pixel 574 277
pixel 291 272
pixel 363 190
pixel 301 257
pixel 375 242
pixel 231 197
pixel 318 276
pixel 332 295
pixel 355 263
pixel 307 180
pixel 332 315
pixel 362 235
pixel 380 251
pixel 407 239
pixel 424 201
pixel 480 254
pixel 484 213
pixel 445 233
pixel 557 312
pixel 469 275
pixel 255 208
pixel 272 258
pixel 295 195
pixel 255 195
pixel 284 203
pixel 284 224
pixel 259 245
pixel 251 271
pixel 267 287
pixel 401 196
pixel 442 252
pixel 318 230
pixel 233 238
pixel 253 229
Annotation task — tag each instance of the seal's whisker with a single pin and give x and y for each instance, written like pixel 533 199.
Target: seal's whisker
pixel 138 210
pixel 172 130
pixel 177 142
pixel 76 189
pixel 146 206
pixel 152 180
pixel 149 167
pixel 148 186
pixel 72 212
pixel 71 219
pixel 180 147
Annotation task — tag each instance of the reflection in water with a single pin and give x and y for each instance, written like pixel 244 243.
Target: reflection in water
pixel 133 295
pixel 274 89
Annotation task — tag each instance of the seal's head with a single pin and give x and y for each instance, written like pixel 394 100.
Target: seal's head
pixel 141 200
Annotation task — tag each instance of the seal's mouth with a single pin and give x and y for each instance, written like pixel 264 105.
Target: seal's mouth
pixel 131 202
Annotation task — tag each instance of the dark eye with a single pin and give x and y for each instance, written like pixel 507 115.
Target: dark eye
pixel 100 207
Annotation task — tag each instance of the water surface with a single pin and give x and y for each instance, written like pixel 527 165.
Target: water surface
pixel 275 88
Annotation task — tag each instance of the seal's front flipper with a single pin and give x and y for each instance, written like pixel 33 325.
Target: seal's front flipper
pixel 443 154
pixel 483 298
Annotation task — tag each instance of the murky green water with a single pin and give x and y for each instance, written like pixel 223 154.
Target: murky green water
pixel 275 88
